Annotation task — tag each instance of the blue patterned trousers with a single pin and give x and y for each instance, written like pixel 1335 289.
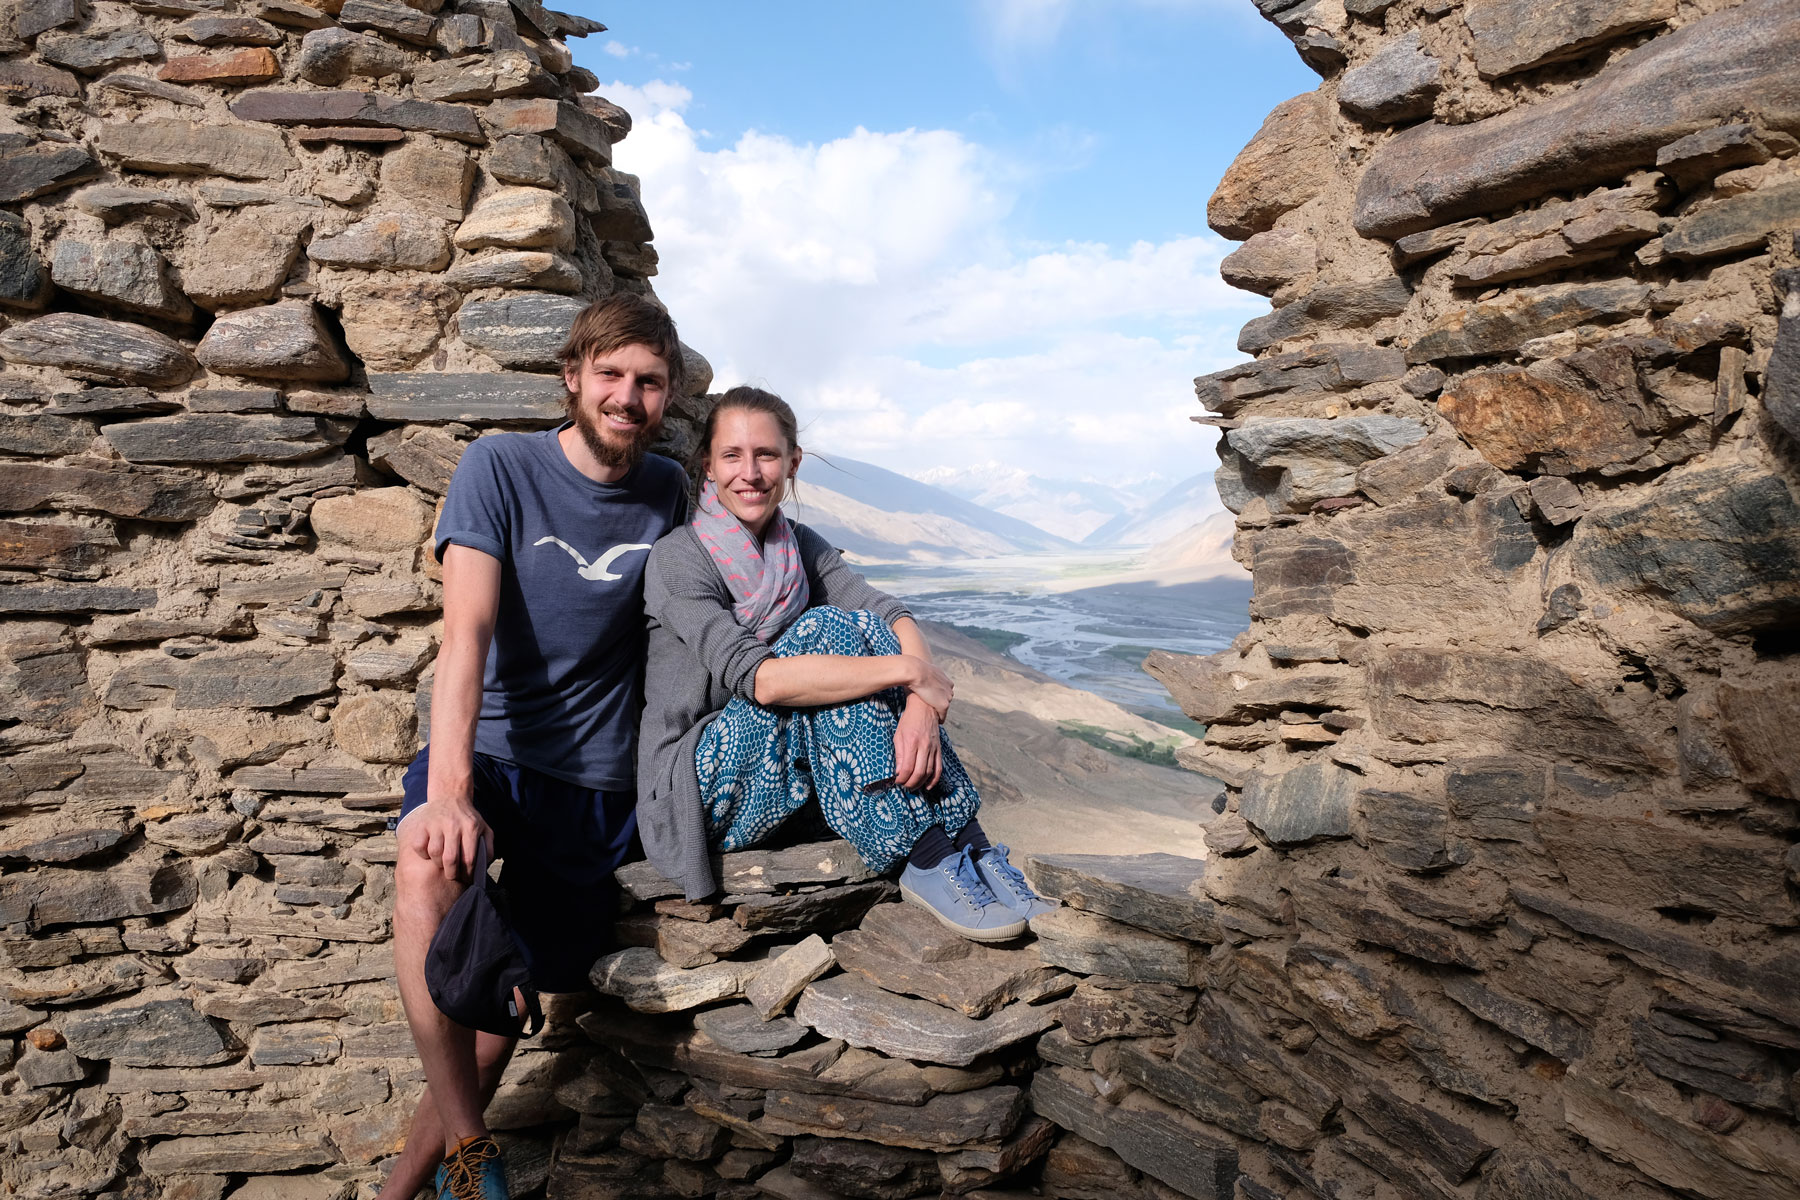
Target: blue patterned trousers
pixel 757 766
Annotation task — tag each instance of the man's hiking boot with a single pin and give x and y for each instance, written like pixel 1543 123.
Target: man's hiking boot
pixel 473 1171
pixel 954 893
pixel 1006 882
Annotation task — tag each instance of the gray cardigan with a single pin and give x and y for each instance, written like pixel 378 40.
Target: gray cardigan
pixel 699 658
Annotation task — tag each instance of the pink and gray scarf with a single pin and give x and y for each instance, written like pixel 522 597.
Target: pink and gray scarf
pixel 767 582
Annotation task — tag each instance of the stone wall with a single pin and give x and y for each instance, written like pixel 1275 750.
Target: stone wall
pixel 265 268
pixel 1501 903
pixel 1507 876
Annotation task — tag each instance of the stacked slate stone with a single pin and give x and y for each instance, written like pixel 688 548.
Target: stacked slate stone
pixel 1507 875
pixel 266 267
pixel 806 1036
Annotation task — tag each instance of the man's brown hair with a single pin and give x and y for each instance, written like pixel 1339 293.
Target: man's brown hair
pixel 625 319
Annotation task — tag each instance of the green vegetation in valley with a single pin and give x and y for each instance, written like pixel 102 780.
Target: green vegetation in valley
pixel 1000 641
pixel 1160 753
pixel 1174 718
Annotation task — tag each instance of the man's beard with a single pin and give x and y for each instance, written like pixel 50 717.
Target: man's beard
pixel 615 451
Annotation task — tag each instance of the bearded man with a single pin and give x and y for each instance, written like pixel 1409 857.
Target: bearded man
pixel 535 707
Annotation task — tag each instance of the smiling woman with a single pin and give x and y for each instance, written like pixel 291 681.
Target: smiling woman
pixel 945 261
pixel 778 680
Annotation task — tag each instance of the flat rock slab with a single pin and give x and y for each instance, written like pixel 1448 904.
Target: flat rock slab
pixel 248 680
pixel 1308 803
pixel 851 1167
pixel 1705 73
pixel 639 977
pixel 1719 545
pixel 742 872
pixel 1737 223
pixel 104 486
pixel 986 1115
pixel 782 979
pixel 277 341
pixel 253 1153
pixel 1159 892
pixel 741 1029
pixel 1090 945
pixel 162 1033
pixel 976 984
pixel 224 438
pixel 568 125
pixel 1517 35
pixel 783 1184
pixel 524 331
pixel 112 402
pixel 357 108
pixel 42 168
pixel 41 433
pixel 826 910
pixel 95 348
pixel 518 218
pixel 682 943
pixel 143 884
pixel 1154 1137
pixel 75 598
pixel 1502 325
pixel 489 396
pixel 185 148
pixel 851 1008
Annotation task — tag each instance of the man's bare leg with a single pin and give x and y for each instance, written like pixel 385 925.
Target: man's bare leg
pixel 424 1150
pixel 423 895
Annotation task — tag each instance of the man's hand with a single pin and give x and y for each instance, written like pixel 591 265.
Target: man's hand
pixel 932 686
pixel 446 831
pixel 918 758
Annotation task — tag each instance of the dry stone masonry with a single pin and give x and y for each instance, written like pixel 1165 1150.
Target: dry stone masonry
pixel 1500 902
pixel 266 267
pixel 1504 894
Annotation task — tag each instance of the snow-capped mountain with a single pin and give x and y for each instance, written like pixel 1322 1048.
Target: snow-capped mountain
pixel 1068 508
pixel 1188 503
pixel 875 514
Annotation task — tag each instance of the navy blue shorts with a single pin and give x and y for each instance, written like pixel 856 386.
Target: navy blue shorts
pixel 559 844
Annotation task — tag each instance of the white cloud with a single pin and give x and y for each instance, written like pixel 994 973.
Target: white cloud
pixel 619 49
pixel 872 281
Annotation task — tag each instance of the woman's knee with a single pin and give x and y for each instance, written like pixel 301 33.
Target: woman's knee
pixel 827 629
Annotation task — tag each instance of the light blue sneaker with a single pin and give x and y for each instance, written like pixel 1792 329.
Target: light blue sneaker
pixel 1009 886
pixel 953 892
pixel 473 1171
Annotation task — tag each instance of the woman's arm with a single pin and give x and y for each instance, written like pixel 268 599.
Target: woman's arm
pixel 918 761
pixel 812 679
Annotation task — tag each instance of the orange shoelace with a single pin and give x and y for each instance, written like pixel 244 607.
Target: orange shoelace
pixel 462 1174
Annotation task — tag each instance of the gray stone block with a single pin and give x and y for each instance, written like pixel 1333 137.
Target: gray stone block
pixel 1719 545
pixel 1709 71
pixel 162 1033
pixel 524 331
pixel 42 167
pixel 1399 82
pixel 126 274
pixel 1308 803
pixel 95 348
pixel 851 1008
pixel 422 396
pixel 224 438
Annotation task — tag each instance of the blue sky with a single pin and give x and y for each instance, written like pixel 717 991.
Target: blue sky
pixel 957 236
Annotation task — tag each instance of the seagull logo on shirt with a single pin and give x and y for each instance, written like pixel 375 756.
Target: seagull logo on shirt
pixel 601 569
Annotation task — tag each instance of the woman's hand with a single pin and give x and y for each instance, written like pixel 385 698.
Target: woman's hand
pixel 918 757
pixel 932 686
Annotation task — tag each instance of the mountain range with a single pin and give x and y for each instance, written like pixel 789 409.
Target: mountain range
pixel 875 514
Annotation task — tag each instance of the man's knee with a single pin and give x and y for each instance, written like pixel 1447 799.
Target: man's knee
pixel 420 886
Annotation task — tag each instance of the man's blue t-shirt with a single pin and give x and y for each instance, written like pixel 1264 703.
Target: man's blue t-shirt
pixel 563 686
